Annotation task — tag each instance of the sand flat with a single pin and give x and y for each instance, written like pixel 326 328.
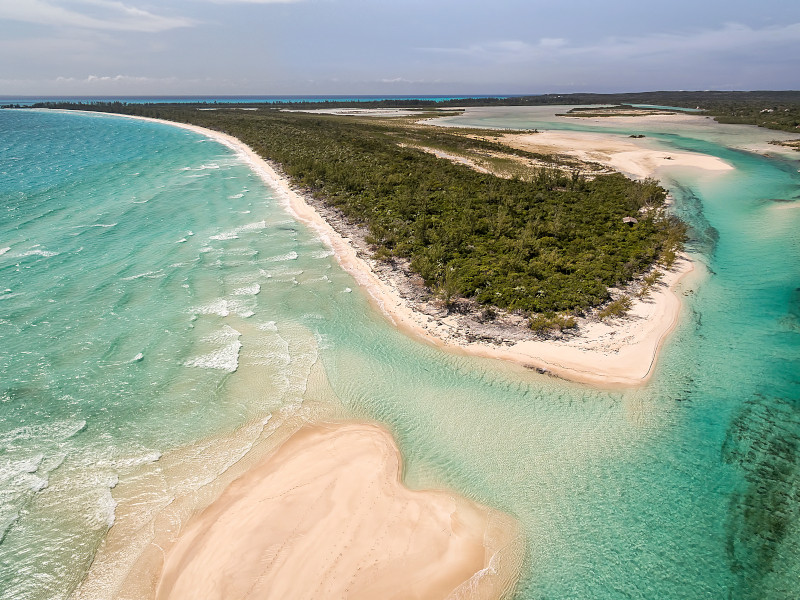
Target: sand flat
pixel 326 516
pixel 631 156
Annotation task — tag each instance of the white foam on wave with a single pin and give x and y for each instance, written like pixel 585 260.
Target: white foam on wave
pixel 130 461
pixel 235 196
pixel 10 469
pixel 284 257
pixel 216 307
pixel 268 326
pixel 105 226
pixel 224 359
pixel 234 233
pixel 241 252
pixel 180 241
pixel 4 250
pixel 226 235
pixel 57 432
pixel 257 226
pixel 148 275
pixel 223 336
pixel 106 507
pixel 37 252
pixel 250 290
pixel 322 254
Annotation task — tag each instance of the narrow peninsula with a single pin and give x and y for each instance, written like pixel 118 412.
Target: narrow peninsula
pixel 533 247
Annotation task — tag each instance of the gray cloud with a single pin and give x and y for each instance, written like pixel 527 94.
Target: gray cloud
pixel 106 15
pixel 732 36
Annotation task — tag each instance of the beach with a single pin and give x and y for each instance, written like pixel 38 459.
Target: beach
pixel 456 548
pixel 231 326
pixel 630 156
pixel 326 516
pixel 620 354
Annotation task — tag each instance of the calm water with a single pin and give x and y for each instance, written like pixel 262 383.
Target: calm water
pixel 160 313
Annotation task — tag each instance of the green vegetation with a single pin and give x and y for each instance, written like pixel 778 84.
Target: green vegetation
pixel 649 282
pixel 551 244
pixel 616 308
pixel 547 323
pixel 619 110
pixel 771 109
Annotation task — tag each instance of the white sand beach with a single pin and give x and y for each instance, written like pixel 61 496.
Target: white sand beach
pixel 620 354
pixel 326 516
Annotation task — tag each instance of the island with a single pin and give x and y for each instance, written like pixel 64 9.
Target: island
pixel 553 250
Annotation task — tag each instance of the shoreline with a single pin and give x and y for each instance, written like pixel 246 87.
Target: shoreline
pixel 326 514
pixel 622 355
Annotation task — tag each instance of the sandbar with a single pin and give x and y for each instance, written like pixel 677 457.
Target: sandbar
pixel 629 156
pixel 326 516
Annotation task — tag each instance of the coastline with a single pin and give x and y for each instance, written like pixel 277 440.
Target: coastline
pixel 620 355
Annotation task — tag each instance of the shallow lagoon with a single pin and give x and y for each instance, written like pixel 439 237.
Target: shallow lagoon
pixel 170 265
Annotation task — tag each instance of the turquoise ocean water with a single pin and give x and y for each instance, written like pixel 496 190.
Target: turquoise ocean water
pixel 160 314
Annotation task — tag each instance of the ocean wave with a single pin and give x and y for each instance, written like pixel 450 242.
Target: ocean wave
pixel 227 235
pixel 37 252
pixel 202 167
pixel 223 336
pixel 219 307
pixel 322 254
pixel 105 225
pixel 10 469
pixel 250 290
pixel 284 257
pixel 130 461
pixel 147 275
pixel 53 432
pixel 240 252
pixel 224 359
pixel 104 512
pixel 4 250
pixel 233 234
pixel 235 196
pixel 257 226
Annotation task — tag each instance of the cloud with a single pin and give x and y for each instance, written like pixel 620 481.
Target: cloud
pixel 105 79
pixel 731 37
pixel 254 1
pixel 105 15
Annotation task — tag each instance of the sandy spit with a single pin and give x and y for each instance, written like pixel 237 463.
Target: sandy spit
pixel 620 354
pixel 326 516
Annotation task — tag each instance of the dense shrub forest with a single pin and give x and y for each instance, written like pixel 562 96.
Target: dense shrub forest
pixel 552 243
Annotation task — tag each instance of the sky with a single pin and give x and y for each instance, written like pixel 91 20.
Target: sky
pixel 402 47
